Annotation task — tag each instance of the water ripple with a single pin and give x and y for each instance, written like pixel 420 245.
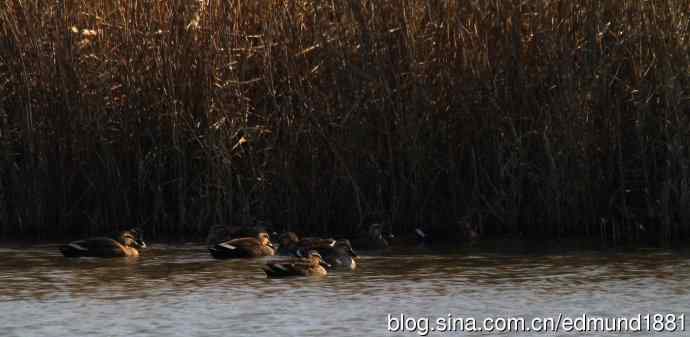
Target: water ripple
pixel 181 291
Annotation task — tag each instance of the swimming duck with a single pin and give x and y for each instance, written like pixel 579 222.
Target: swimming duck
pixel 373 239
pixel 243 247
pixel 125 243
pixel 312 265
pixel 340 255
pixel 292 245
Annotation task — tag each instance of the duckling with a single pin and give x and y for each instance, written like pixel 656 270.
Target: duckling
pixel 291 244
pixel 312 265
pixel 373 239
pixel 243 247
pixel 127 243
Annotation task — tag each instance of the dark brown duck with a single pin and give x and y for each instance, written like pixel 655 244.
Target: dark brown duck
pixel 121 244
pixel 292 245
pixel 243 247
pixel 340 255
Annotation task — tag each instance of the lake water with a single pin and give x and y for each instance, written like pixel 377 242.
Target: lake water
pixel 181 291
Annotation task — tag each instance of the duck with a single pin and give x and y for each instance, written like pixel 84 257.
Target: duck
pixel 292 245
pixel 311 265
pixel 340 256
pixel 122 244
pixel 337 253
pixel 246 247
pixel 373 239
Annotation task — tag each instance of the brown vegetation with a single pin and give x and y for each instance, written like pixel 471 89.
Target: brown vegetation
pixel 540 118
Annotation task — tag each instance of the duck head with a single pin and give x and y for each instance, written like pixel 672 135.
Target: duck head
pixel 264 239
pixel 133 237
pixel 316 259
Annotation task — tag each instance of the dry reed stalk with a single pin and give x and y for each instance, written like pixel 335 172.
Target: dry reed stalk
pixel 534 118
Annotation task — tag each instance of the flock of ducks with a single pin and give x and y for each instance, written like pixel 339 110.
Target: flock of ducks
pixel 311 256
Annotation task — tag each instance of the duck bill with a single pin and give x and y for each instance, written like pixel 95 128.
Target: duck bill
pixel 325 264
pixel 141 244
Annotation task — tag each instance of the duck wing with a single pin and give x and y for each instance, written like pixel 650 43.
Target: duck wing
pixel 277 270
pixel 237 248
pixel 307 244
pixel 94 247
pixel 316 243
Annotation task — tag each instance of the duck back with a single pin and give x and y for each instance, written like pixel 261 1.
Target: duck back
pixel 240 248
pixel 97 247
pixel 278 270
pixel 340 255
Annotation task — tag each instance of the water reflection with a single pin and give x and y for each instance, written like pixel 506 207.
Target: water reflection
pixel 181 291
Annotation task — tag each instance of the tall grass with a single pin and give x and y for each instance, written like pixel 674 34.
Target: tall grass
pixel 536 118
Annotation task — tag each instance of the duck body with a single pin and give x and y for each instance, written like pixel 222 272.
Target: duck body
pixel 313 265
pixel 340 256
pixel 125 243
pixel 242 248
pixel 97 247
pixel 292 245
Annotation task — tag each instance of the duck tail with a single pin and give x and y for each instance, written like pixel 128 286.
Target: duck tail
pixel 73 250
pixel 274 270
pixel 224 251
pixel 217 253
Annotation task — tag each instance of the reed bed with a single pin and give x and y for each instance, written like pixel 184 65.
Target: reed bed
pixel 534 118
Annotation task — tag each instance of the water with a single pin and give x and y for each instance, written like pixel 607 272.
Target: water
pixel 181 291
